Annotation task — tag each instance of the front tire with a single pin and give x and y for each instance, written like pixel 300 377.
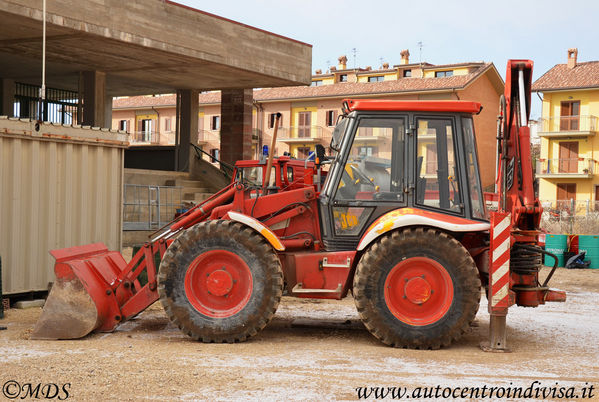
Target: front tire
pixel 220 282
pixel 417 288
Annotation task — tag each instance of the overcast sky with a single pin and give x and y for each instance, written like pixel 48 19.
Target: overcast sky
pixel 450 31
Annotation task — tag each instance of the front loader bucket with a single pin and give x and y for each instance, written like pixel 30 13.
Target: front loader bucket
pixel 83 297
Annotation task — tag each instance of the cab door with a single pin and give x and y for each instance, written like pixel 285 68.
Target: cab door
pixel 368 181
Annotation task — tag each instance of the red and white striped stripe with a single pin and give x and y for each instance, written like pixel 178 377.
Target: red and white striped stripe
pixel 500 262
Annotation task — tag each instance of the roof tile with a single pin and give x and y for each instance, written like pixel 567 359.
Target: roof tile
pixel 583 75
pixel 323 91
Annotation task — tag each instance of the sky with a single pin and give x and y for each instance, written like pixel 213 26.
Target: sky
pixel 449 31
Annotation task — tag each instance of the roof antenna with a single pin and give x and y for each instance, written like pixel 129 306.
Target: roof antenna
pixel 354 51
pixel 420 47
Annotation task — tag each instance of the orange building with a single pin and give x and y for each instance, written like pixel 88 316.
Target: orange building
pixel 309 113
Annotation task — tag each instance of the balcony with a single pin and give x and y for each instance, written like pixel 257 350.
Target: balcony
pixel 151 138
pixel 568 126
pixel 208 136
pixel 581 168
pixel 301 135
pixel 370 134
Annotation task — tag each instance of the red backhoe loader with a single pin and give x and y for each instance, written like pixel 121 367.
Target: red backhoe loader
pixel 402 225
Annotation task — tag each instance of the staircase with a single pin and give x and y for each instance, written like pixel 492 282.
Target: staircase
pixel 192 190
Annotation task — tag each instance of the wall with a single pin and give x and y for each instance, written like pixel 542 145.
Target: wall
pixel 485 126
pixel 588 146
pixel 60 187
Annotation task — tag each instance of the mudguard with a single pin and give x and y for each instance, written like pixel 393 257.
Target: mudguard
pixel 405 217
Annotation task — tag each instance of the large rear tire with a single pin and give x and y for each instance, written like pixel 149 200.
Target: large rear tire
pixel 418 288
pixel 220 282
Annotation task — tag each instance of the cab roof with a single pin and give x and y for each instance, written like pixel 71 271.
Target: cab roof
pixel 456 106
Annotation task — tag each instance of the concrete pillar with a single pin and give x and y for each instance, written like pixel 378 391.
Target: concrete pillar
pixel 236 125
pixel 94 99
pixel 188 100
pixel 107 111
pixel 7 96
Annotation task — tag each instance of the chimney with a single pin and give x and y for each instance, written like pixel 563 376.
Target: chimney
pixel 385 66
pixel 405 56
pixel 572 56
pixel 342 62
pixel 318 72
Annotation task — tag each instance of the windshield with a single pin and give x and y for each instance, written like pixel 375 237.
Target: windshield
pixel 338 134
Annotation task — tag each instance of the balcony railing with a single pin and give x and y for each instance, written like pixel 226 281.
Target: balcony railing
pixel 568 125
pixel 206 136
pixel 300 134
pixel 570 167
pixel 152 138
pixel 144 137
pixel 373 133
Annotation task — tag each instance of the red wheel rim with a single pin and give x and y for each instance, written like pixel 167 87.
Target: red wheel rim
pixel 418 291
pixel 218 283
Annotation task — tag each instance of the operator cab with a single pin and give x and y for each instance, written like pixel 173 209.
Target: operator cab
pixel 400 154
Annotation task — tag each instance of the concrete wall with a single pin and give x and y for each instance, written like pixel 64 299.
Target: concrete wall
pixel 60 187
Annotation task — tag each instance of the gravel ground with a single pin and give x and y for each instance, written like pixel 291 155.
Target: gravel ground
pixel 312 350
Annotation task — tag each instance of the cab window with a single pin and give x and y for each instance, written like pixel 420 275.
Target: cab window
pixel 437 176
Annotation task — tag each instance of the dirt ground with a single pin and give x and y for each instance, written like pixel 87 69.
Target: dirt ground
pixel 312 350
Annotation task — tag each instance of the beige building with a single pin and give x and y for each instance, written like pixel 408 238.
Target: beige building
pixel 309 113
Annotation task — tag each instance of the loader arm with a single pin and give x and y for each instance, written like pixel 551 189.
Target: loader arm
pixel 515 256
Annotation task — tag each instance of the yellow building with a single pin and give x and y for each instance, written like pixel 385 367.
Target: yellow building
pixel 568 171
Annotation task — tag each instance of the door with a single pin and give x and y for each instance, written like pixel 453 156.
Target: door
pixel 565 193
pixel 568 157
pixel 367 183
pixel 569 116
pixel 596 198
pixel 304 123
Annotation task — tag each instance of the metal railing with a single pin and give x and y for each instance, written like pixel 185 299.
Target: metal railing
pixel 374 132
pixel 152 137
pixel 565 166
pixel 205 136
pixel 60 106
pixel 570 216
pixel 149 207
pixel 568 123
pixel 298 133
pixel 223 166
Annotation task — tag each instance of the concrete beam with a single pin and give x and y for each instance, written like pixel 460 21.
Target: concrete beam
pixel 236 125
pixel 144 47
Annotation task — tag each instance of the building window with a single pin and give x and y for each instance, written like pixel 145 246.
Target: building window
pixel 376 78
pixel 569 116
pixel 167 124
pixel 272 118
pixel 407 73
pixel 331 117
pixel 215 123
pixel 215 154
pixel 439 74
pixel 124 125
pixel 317 83
pixel 147 127
pixel 367 151
pixel 343 78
